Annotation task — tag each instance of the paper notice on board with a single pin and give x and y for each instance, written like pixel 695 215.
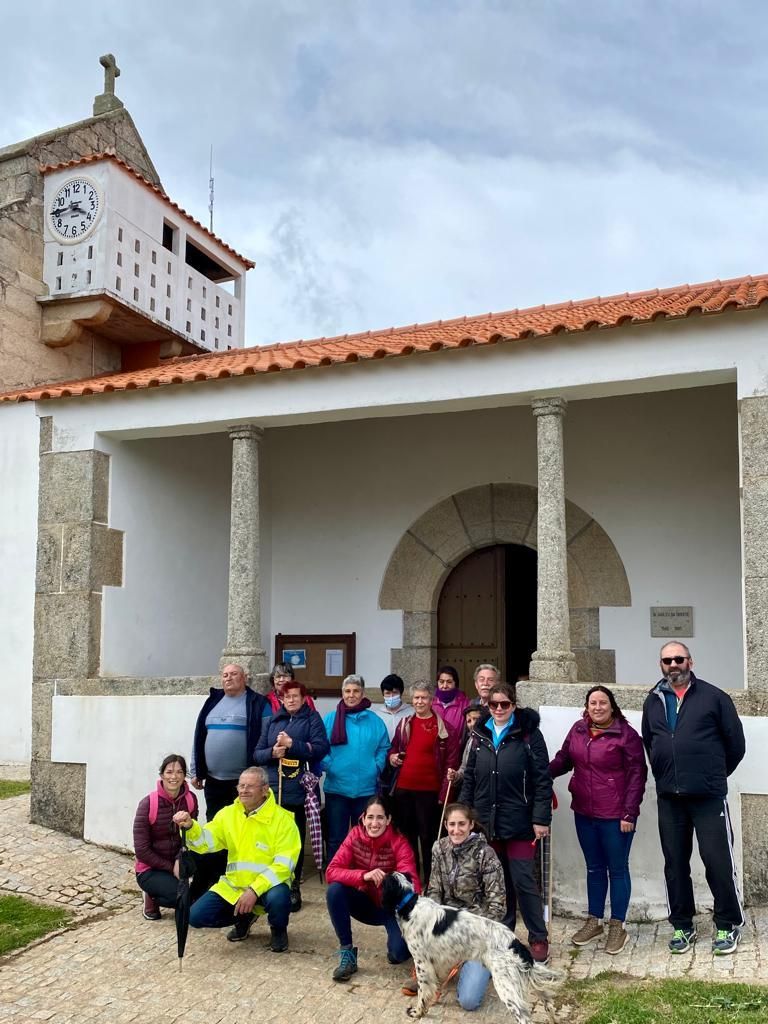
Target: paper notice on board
pixel 334 662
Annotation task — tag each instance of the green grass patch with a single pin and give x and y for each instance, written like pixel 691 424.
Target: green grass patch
pixel 11 787
pixel 616 999
pixel 22 921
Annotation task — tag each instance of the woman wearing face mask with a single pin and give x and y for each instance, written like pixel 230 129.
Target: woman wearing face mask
pixel 467 875
pixel 372 850
pixel 450 701
pixel 394 709
pixel 607 786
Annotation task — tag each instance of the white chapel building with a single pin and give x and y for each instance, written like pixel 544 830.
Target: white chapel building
pixel 557 490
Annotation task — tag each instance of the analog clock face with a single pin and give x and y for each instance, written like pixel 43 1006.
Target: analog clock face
pixel 75 209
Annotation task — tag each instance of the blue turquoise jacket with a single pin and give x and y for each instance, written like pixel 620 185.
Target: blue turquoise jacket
pixel 353 768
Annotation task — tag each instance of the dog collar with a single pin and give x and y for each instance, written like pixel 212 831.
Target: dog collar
pixel 404 900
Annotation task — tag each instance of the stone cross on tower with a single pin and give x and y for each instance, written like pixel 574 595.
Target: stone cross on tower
pixel 107 100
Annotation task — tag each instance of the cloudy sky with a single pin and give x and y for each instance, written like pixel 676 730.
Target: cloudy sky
pixel 410 160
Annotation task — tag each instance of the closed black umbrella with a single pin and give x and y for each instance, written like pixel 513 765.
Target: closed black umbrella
pixel 186 863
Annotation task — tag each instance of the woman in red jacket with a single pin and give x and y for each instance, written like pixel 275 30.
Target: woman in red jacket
pixel 372 850
pixel 156 840
pixel 607 786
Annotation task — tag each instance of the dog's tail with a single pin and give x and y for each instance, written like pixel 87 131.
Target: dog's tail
pixel 544 980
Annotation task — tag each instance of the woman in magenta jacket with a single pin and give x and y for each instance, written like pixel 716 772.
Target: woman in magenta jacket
pixel 609 772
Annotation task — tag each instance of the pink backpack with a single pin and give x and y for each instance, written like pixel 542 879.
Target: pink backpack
pixel 154 800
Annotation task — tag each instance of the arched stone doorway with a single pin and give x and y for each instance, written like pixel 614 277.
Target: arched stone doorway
pixel 487 612
pixel 481 517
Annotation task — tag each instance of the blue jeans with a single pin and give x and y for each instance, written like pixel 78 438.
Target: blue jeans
pixel 472 984
pixel 344 903
pixel 212 911
pixel 606 851
pixel 340 813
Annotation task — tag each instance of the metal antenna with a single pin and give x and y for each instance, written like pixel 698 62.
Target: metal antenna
pixel 210 190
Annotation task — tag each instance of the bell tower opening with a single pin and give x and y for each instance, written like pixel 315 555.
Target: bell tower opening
pixel 487 613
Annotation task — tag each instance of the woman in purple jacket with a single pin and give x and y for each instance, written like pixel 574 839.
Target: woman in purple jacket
pixel 609 773
pixel 156 840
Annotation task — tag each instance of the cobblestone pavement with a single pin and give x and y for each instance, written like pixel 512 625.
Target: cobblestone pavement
pixel 120 968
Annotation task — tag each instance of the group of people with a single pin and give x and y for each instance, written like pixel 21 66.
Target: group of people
pixel 390 769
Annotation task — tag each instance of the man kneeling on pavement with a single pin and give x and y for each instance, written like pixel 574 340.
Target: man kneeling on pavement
pixel 263 846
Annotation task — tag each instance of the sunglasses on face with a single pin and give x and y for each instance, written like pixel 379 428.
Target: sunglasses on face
pixel 679 659
pixel 499 705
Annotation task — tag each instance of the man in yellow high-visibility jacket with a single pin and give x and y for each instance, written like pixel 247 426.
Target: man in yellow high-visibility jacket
pixel 263 846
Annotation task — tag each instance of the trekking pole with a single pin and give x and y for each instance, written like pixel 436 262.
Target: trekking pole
pixel 445 804
pixel 280 782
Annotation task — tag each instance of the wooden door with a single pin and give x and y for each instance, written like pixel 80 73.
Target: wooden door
pixel 471 615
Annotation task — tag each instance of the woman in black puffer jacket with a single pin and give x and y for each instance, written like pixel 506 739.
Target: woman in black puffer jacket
pixel 507 781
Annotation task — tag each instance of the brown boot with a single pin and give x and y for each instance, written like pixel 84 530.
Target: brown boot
pixel 617 937
pixel 591 929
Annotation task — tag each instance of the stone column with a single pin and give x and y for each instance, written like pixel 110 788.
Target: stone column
pixel 244 609
pixel 554 661
pixel 753 426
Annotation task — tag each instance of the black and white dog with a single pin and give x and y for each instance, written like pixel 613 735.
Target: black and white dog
pixel 439 937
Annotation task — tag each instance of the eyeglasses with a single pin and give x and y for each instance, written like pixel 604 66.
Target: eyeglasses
pixel 499 705
pixel 679 659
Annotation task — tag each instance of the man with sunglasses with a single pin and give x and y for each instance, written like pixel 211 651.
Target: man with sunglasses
pixel 694 740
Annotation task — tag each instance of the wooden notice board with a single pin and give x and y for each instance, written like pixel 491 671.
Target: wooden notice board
pixel 319 660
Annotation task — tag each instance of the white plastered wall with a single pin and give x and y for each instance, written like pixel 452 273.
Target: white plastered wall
pixel 19 447
pixel 171 496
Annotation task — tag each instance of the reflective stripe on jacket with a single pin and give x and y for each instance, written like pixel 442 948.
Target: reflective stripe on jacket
pixel 263 847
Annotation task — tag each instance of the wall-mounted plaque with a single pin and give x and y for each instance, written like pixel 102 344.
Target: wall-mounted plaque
pixel 673 621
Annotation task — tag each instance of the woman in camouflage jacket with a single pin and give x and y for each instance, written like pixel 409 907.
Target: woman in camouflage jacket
pixel 466 874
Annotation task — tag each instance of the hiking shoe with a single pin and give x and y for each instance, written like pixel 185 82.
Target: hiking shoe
pixel 242 926
pixel 295 899
pixel 726 941
pixel 590 930
pixel 682 940
pixel 150 910
pixel 617 937
pixel 279 941
pixel 347 964
pixel 411 987
pixel 540 951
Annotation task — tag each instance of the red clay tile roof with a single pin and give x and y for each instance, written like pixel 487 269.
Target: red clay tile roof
pixel 537 322
pixel 109 154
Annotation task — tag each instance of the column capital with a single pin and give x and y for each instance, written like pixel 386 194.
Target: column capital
pixel 245 431
pixel 553 406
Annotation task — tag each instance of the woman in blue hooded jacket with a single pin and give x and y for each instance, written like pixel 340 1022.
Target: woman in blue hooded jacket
pixel 359 744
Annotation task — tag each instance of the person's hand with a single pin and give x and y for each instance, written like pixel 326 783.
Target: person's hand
pixel 395 760
pixel 541 831
pixel 626 826
pixel 278 751
pixel 246 903
pixel 197 783
pixel 376 876
pixel 183 819
pixel 175 869
pixel 451 774
pixel 284 740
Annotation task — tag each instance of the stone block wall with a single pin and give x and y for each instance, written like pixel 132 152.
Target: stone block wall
pixel 77 554
pixel 24 359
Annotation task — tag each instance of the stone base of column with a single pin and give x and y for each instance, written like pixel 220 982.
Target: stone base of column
pixel 252 660
pixel 553 667
pixel 58 796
